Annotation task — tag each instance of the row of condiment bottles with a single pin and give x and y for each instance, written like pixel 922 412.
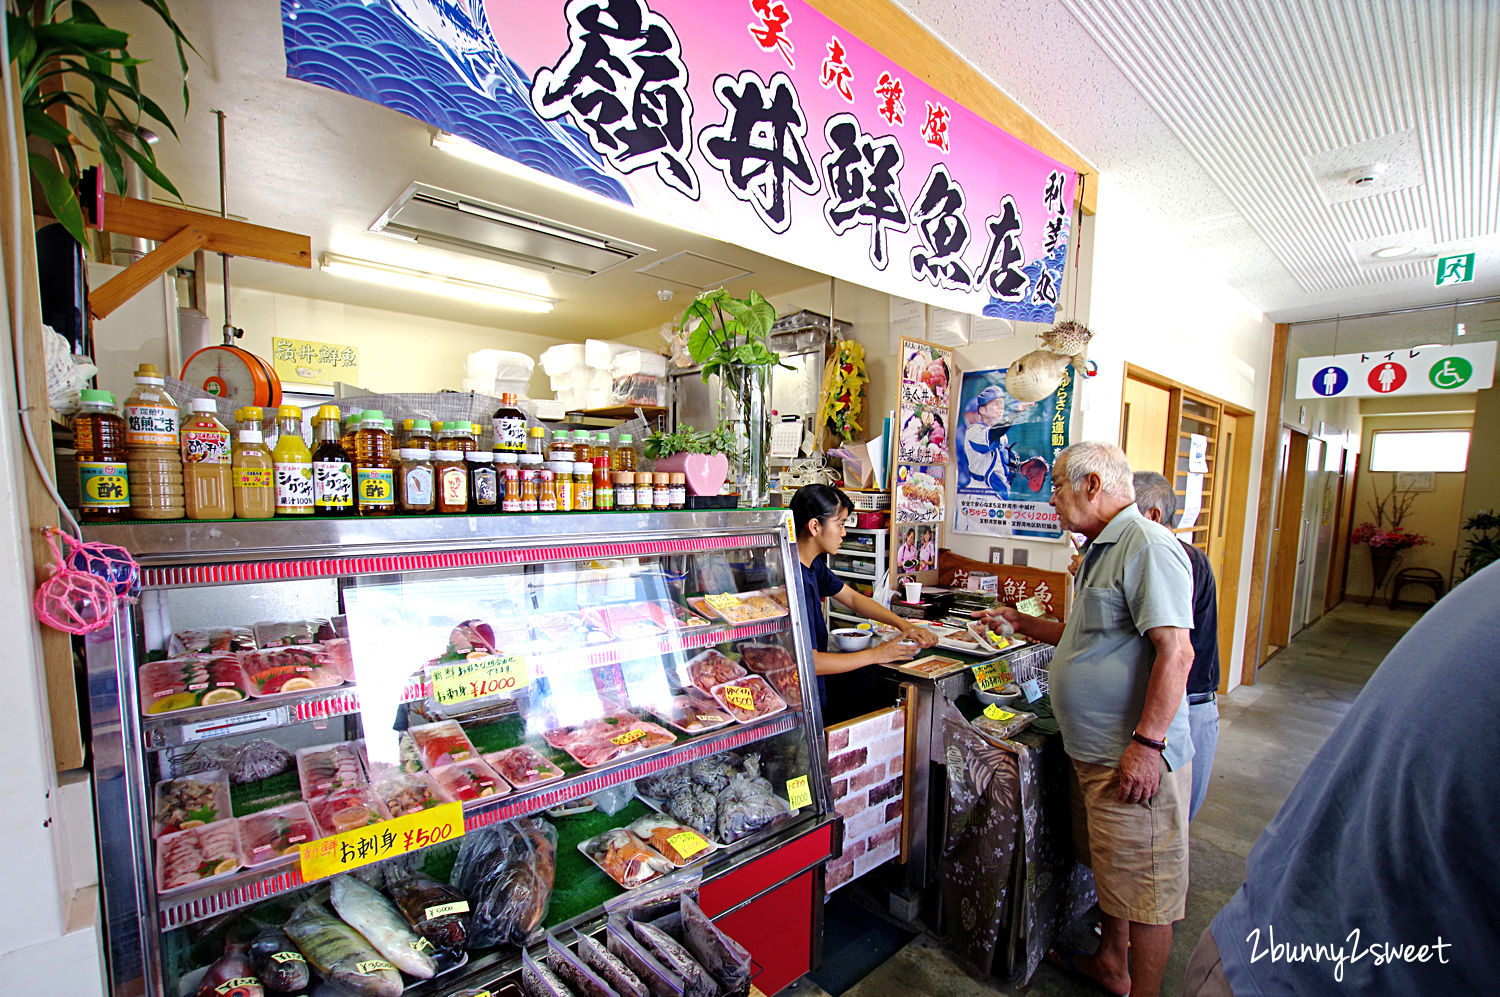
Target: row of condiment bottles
pixel 451 481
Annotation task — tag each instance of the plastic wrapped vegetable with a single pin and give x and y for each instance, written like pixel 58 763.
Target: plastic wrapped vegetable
pixel 1000 724
pixel 364 909
pixel 696 981
pixel 726 959
pixel 278 964
pixel 437 911
pixel 506 871
pixel 610 968
pixel 341 954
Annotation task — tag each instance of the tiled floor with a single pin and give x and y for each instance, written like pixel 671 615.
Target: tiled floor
pixel 1268 734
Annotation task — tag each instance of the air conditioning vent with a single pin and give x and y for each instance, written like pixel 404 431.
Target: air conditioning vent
pixel 442 218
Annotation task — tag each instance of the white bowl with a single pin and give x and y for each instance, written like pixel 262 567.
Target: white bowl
pixel 850 638
pixel 1003 696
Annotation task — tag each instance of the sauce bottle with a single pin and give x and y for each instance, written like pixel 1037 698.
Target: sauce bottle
pixel 476 431
pixel 452 475
pixel 374 477
pixel 351 427
pixel 103 477
pixel 414 481
pixel 207 474
pixel 604 486
pixel 457 436
pixel 562 484
pixel 582 451
pixel 622 458
pixel 332 467
pixel 546 489
pixel 294 470
pixel 254 471
pixel 561 449
pixel 153 455
pixel 484 489
pixel 536 440
pixel 509 425
pixel 583 486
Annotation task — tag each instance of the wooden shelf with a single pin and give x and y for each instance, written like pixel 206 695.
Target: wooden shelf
pixel 620 411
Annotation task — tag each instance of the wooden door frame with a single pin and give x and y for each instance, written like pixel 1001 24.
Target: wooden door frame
pixel 1288 532
pixel 1259 569
pixel 1338 568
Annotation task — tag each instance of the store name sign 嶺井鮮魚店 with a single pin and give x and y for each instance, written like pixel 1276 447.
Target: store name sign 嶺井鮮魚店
pixel 760 122
pixel 1418 370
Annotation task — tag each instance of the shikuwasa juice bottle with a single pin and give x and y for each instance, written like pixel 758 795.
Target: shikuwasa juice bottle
pixel 294 470
pixel 374 475
pixel 333 467
pixel 99 438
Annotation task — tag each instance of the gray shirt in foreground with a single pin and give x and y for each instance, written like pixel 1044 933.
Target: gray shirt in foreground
pixel 1134 577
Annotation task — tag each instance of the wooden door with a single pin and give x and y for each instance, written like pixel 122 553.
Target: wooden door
pixel 1292 475
pixel 1144 426
pixel 1230 519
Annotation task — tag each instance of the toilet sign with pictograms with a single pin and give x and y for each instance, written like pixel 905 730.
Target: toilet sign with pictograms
pixel 1422 370
pixel 1455 269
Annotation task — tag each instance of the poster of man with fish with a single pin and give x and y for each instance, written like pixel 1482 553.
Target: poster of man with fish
pixel 1003 453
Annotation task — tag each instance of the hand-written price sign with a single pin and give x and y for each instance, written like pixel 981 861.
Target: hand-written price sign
pixel 480 676
pixel 628 737
pixel 722 601
pixel 687 843
pixel 1031 606
pixel 378 842
pixel 992 675
pixel 994 712
pixel 798 795
pixel 740 697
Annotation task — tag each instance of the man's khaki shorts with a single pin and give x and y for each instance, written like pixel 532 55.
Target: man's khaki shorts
pixel 1138 851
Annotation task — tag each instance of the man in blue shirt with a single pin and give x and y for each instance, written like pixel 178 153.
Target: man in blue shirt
pixel 1117 684
pixel 1375 877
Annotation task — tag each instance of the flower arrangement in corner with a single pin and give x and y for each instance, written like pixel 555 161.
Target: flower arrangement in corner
pixel 1392 538
pixel 1386 533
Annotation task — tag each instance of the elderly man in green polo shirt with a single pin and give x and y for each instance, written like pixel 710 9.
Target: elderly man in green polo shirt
pixel 1117 683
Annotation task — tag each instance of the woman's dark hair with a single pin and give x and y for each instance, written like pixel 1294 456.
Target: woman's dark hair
pixel 820 502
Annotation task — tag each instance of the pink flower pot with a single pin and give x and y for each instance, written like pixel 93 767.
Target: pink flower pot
pixel 705 472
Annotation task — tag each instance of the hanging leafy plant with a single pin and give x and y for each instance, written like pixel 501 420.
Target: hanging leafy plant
pixel 68 64
pixel 725 331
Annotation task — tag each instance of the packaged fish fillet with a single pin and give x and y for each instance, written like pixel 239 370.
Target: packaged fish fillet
pixel 346 811
pixel 278 963
pixel 506 871
pixel 437 911
pixel 659 980
pixel 674 840
pixel 570 969
pixel 722 956
pixel 625 858
pixel 329 769
pixel 231 974
pixel 609 967
pixel 696 981
pixel 442 743
pixel 523 766
pixel 197 855
pixel 190 801
pixel 537 980
pixel 470 780
pixel 340 953
pixel 224 640
pixel 372 915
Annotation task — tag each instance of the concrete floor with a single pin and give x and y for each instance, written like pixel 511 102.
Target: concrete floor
pixel 1268 734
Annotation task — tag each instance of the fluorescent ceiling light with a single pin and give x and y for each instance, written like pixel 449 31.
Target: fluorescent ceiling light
pixel 423 282
pixel 1391 252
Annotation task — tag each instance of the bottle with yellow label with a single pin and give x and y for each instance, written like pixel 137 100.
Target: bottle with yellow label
pixel 254 477
pixel 294 471
pixel 151 437
pixel 207 474
pixel 99 438
pixel 374 474
pixel 333 468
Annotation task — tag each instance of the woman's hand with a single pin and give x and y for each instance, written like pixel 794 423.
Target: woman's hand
pixel 923 636
pixel 895 649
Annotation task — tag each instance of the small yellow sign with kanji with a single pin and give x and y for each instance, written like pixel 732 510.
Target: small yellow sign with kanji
pixel 478 677
pixel 378 842
pixel 687 843
pixel 739 697
pixel 798 794
pixel 992 675
pixel 722 601
pixel 304 361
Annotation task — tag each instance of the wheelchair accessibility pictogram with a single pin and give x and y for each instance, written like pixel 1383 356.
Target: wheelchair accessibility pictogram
pixel 1450 373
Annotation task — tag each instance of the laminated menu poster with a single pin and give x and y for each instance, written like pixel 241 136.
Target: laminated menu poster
pixel 926 371
pixel 1004 450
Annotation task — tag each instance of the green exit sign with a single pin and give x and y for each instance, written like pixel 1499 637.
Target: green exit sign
pixel 1455 269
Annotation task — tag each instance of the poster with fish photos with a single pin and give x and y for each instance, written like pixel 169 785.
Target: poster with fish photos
pixel 1003 453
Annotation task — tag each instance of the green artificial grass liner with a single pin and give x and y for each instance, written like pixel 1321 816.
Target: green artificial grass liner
pixel 581 885
pixel 263 794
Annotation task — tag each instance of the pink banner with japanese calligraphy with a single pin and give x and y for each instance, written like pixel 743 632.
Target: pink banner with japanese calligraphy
pixel 761 122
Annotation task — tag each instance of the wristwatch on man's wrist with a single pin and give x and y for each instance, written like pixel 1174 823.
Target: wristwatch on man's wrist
pixel 1140 738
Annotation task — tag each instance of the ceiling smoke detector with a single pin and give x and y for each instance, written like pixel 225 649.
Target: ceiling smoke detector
pixel 1361 176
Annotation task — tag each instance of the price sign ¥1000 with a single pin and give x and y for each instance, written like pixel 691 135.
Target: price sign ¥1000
pixel 378 842
pixel 476 678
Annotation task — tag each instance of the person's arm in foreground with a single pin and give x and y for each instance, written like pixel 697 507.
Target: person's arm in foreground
pixel 872 610
pixel 1140 769
pixel 835 663
pixel 1046 631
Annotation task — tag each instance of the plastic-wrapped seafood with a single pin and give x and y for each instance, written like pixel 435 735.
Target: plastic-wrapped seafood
pixel 372 915
pixel 722 956
pixel 224 640
pixel 696 981
pixel 537 980
pixel 506 871
pixel 341 954
pixel 523 766
pixel 249 762
pixel 664 784
pixel 442 743
pixel 347 810
pixel 609 967
pixel 710 669
pixel 626 858
pixel 572 971
pixel 190 801
pixel 404 793
pixel 329 769
pixel 696 807
pixel 676 842
pixel 197 854
pixel 659 980
pixel 745 807
pixel 278 963
pixel 231 972
pixel 437 911
pixel 713 773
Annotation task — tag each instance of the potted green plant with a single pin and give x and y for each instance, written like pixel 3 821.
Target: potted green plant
pixel 1485 548
pixel 704 459
pixel 730 337
pixel 66 60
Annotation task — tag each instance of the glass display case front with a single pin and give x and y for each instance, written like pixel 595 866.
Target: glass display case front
pixel 453 741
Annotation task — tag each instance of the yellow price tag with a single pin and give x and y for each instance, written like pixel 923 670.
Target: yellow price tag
pixel 687 843
pixel 480 676
pixel 798 795
pixel 994 712
pixel 992 675
pixel 740 697
pixel 722 601
pixel 1031 606
pixel 378 842
pixel 627 737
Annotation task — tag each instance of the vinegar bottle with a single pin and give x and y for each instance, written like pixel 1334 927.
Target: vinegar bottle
pixel 99 438
pixel 153 456
pixel 374 477
pixel 254 477
pixel 294 465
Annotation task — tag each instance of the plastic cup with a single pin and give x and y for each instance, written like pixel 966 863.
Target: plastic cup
pixel 913 591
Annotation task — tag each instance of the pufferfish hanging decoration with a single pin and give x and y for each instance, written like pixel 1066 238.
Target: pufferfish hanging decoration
pixel 1037 374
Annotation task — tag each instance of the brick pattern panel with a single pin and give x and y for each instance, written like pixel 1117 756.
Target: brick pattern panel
pixel 867 759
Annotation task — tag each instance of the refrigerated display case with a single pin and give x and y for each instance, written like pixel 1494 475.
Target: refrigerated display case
pixel 284 695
